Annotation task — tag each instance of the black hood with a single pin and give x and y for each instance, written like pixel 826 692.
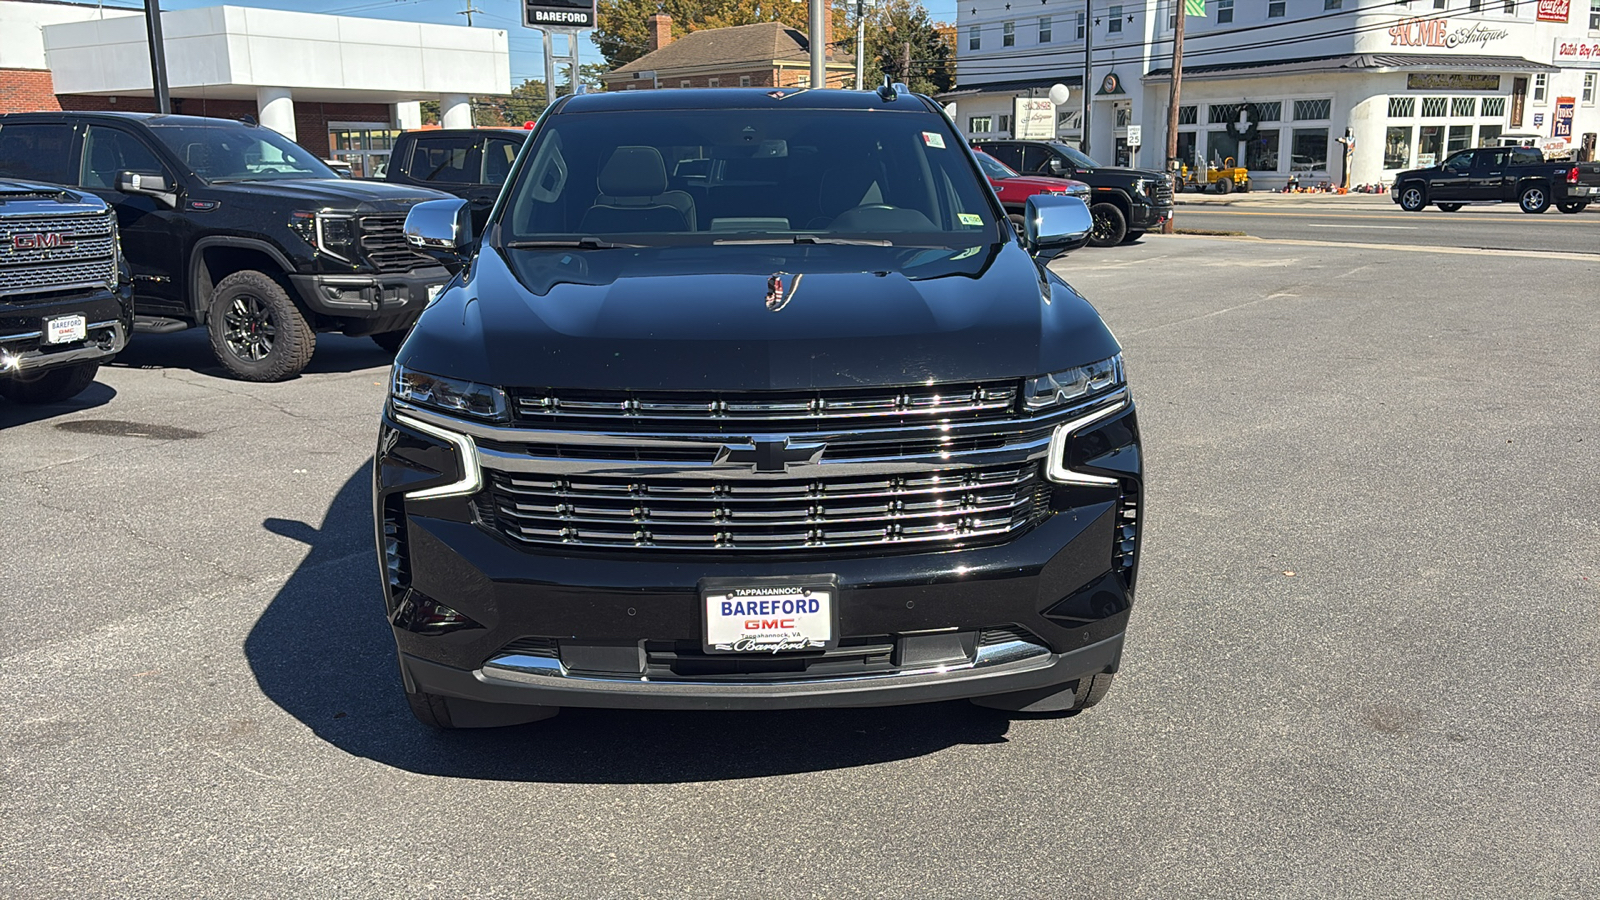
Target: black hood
pixel 335 193
pixel 1130 174
pixel 696 318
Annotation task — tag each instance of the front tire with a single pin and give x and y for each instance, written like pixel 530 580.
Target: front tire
pixel 1244 186
pixel 51 385
pixel 1412 199
pixel 1017 223
pixel 1534 199
pixel 1573 206
pixel 1224 185
pixel 257 332
pixel 1071 698
pixel 1449 207
pixel 1110 225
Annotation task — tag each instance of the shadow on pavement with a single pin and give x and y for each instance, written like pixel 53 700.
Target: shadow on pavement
pixel 97 394
pixel 323 652
pixel 191 350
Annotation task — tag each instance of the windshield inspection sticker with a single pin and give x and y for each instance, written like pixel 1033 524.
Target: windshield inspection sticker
pixel 970 218
pixel 933 140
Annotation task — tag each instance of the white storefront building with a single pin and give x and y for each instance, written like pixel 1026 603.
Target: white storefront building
pixel 1277 83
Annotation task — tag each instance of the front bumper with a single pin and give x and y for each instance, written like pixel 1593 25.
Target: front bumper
pixel 1148 217
pixel 623 628
pixel 109 316
pixel 369 304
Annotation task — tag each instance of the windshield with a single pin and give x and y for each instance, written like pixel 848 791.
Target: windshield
pixel 232 151
pixel 992 167
pixel 1078 157
pixel 735 175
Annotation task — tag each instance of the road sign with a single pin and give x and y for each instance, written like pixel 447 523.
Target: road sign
pixel 558 13
pixel 1135 135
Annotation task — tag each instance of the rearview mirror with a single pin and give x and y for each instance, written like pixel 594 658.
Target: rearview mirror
pixel 1054 225
pixel 440 228
pixel 149 184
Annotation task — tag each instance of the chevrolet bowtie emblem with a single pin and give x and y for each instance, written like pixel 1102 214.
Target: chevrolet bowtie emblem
pixel 769 454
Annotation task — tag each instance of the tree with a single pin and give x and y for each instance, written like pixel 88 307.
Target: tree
pixel 623 29
pixel 891 27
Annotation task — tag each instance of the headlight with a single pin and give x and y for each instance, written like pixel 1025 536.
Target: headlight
pixel 1061 388
pixel 1141 187
pixel 450 395
pixel 333 235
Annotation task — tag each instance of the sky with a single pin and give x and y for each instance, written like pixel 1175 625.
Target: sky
pixel 527 51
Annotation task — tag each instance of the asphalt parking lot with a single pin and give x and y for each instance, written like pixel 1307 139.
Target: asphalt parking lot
pixel 1362 661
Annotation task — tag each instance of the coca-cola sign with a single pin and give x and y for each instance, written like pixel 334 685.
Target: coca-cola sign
pixel 1438 33
pixel 1554 10
pixel 1577 53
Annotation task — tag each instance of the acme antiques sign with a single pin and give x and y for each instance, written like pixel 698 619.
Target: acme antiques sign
pixel 1437 33
pixel 1452 81
pixel 1554 10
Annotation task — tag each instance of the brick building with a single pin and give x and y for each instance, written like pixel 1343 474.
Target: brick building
pixel 767 54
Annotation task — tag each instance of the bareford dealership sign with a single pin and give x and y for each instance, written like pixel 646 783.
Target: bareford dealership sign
pixel 558 13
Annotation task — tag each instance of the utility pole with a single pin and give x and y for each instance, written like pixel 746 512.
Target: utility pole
pixel 1088 71
pixel 158 57
pixel 905 63
pixel 861 49
pixel 468 12
pixel 1175 92
pixel 819 47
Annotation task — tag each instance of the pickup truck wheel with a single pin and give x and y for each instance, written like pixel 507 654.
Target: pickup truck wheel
pixel 51 385
pixel 257 332
pixel 1534 199
pixel 1017 222
pixel 1224 185
pixel 1449 207
pixel 1412 199
pixel 391 340
pixel 1572 206
pixel 1110 225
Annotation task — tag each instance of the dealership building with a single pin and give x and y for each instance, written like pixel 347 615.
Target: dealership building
pixel 339 85
pixel 1314 89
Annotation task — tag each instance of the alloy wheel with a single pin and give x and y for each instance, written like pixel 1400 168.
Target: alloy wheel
pixel 248 328
pixel 1532 198
pixel 1411 199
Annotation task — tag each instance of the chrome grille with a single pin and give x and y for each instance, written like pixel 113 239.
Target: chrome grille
pixel 1161 192
pixel 955 507
pixel 87 260
pixel 776 412
pixel 383 244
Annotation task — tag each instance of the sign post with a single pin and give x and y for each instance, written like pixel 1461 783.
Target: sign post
pixel 558 17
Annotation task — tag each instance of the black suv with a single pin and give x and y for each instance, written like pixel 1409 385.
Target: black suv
pixel 235 227
pixel 1126 202
pixel 766 405
pixel 66 302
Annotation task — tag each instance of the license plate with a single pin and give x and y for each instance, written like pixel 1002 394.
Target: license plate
pixel 433 291
pixel 759 616
pixel 65 329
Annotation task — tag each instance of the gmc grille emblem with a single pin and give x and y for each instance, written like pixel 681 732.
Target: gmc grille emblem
pixel 40 241
pixel 764 454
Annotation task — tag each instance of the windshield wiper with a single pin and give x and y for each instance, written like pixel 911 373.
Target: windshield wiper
pixel 808 239
pixel 583 243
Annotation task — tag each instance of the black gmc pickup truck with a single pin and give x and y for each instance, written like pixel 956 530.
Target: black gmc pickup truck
pixel 1519 175
pixel 765 405
pixel 234 227
pixel 1126 203
pixel 66 301
pixel 471 163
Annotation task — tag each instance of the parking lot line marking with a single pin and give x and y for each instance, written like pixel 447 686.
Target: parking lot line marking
pixel 1399 248
pixel 1363 227
pixel 1472 219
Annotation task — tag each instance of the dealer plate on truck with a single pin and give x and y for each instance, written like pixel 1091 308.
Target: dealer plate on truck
pixel 65 329
pixel 770 617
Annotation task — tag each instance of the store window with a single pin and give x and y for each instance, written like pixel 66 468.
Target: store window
pixel 1222 112
pixel 1269 112
pixel 1004 126
pixel 1186 148
pixel 974 38
pixel 1045 30
pixel 1079 31
pixel 1488 135
pixel 685 83
pixel 1463 107
pixel 1124 115
pixel 1402 107
pixel 1114 20
pixel 1311 110
pixel 1309 152
pixel 1594 15
pixel 1224 11
pixel 1332 4
pixel 1275 9
pixel 1510 7
pixel 978 124
pixel 1540 83
pixel 1435 107
pixel 1008 34
pixel 1397 147
pixel 717 82
pixel 1188 115
pixel 366 147
pixel 1588 88
pixel 1493 107
pixel 1459 138
pixel 1220 147
pixel 1261 153
pixel 1430 143
pixel 1475 5
pixel 744 81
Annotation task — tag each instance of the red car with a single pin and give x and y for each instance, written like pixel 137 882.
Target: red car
pixel 1014 188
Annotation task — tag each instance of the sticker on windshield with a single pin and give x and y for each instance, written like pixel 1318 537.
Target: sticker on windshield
pixel 970 218
pixel 933 140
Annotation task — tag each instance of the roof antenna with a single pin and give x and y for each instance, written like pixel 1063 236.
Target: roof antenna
pixel 888 91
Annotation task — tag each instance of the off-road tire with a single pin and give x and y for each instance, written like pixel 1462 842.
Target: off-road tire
pixel 1413 198
pixel 1132 236
pixel 1573 206
pixel 429 710
pixel 1110 225
pixel 1224 185
pixel 257 332
pixel 390 340
pixel 1534 199
pixel 1450 207
pixel 51 385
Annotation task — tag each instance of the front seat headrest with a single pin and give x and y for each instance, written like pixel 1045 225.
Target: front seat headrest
pixel 634 172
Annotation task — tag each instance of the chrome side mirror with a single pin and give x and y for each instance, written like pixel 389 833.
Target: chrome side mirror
pixel 440 228
pixel 1054 225
pixel 149 184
